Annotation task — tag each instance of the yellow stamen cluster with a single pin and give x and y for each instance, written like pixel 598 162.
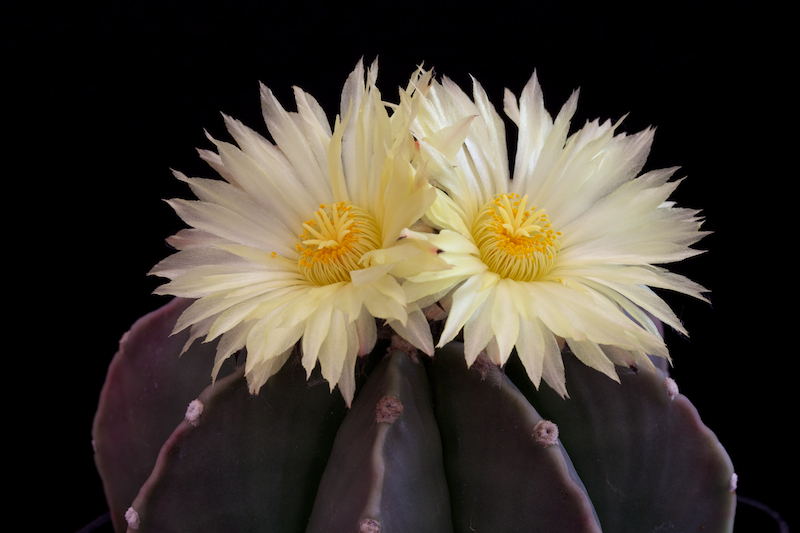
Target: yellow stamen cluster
pixel 333 242
pixel 515 242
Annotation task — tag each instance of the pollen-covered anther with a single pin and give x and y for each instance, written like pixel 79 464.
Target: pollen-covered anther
pixel 515 242
pixel 545 433
pixel 333 242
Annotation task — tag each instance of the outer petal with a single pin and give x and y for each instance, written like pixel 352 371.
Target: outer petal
pixel 265 341
pixel 347 379
pixel 478 330
pixel 302 153
pixel 505 319
pixel 317 328
pixel 263 369
pixel 335 347
pixel 416 330
pixel 467 299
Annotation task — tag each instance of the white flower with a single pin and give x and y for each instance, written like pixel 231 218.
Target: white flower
pixel 304 239
pixel 564 250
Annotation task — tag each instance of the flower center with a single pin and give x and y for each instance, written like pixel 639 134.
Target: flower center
pixel 515 242
pixel 333 242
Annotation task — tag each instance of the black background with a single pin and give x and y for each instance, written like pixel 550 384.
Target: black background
pixel 102 99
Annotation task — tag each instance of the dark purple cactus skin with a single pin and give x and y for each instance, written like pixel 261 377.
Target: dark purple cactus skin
pixel 647 460
pixel 251 461
pixel 460 456
pixel 500 477
pixel 387 458
pixel 144 398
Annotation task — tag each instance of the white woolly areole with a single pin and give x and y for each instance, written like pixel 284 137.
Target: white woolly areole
pixel 545 433
pixel 734 481
pixel 672 387
pixel 193 412
pixel 124 340
pixel 132 517
pixel 401 344
pixel 368 525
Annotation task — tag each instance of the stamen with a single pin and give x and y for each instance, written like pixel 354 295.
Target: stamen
pixel 515 242
pixel 334 242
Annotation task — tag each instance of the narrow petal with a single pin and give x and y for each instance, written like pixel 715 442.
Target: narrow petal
pixel 264 369
pixel 416 330
pixel 316 330
pixel 505 318
pixel 531 348
pixel 466 299
pixel 347 379
pixel 230 344
pixel 478 328
pixel 367 332
pixel 229 225
pixel 312 168
pixel 265 342
pixel 592 356
pixel 553 367
pixel 334 347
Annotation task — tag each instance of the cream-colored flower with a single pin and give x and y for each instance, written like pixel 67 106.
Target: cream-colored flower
pixel 305 238
pixel 564 250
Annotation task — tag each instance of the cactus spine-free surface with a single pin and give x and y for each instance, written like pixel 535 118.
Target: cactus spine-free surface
pixel 428 445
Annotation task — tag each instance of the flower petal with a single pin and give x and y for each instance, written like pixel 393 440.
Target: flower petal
pixel 505 318
pixel 416 331
pixel 334 346
pixel 466 300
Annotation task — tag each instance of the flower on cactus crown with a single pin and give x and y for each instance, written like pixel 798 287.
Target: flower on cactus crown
pixel 305 239
pixel 564 251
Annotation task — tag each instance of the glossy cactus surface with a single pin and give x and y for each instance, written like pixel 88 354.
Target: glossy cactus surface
pixel 428 445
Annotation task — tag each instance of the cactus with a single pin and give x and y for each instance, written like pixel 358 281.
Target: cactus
pixel 329 410
pixel 428 445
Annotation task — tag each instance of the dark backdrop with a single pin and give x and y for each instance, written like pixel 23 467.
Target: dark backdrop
pixel 103 98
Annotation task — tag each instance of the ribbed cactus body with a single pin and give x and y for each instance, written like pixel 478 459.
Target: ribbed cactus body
pixel 386 467
pixel 428 445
